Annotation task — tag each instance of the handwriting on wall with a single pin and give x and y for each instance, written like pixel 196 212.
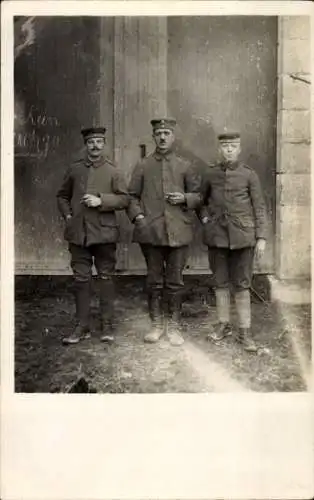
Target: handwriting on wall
pixel 32 145
pixel 36 132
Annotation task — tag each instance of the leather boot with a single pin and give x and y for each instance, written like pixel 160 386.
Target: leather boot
pixel 156 316
pixel 106 303
pixel 79 333
pixel 82 306
pixel 220 331
pixel 174 318
pixel 245 338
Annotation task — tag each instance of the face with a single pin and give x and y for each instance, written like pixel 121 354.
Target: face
pixel 163 138
pixel 95 146
pixel 230 150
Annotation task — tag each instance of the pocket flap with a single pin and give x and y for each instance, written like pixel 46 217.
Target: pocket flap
pixel 107 221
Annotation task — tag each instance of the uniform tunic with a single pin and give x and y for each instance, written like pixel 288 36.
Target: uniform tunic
pixel 154 177
pixel 234 204
pixel 92 226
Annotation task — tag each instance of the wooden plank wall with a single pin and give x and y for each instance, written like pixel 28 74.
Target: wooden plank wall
pixel 56 93
pixel 208 72
pixel 140 93
pixel 222 72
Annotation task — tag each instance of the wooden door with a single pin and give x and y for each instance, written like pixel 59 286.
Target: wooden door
pixel 222 73
pixel 140 93
pixel 58 90
pixel 76 72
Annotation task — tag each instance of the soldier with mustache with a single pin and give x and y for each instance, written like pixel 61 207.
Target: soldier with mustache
pixel 164 190
pixel 91 192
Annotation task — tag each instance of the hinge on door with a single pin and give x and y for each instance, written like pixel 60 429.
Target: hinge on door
pixel 143 150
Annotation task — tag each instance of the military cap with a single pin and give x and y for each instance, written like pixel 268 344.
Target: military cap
pixel 87 133
pixel 165 123
pixel 229 136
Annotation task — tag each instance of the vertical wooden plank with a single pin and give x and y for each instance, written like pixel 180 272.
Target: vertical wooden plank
pixel 122 43
pixel 105 83
pixel 222 74
pixel 118 87
pixel 140 93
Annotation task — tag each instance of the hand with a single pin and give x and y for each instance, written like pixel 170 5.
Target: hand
pixel 175 198
pixel 204 220
pixel 260 249
pixel 91 200
pixel 68 218
pixel 139 219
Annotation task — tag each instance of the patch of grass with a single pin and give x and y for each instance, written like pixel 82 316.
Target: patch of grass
pixel 42 364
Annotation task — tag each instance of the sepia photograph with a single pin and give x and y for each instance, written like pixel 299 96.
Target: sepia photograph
pixel 162 204
pixel 156 326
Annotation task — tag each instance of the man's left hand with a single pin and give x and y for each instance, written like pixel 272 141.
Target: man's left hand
pixel 260 249
pixel 92 201
pixel 176 198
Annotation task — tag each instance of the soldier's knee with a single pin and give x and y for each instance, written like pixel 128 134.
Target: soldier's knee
pixel 242 285
pixel 221 282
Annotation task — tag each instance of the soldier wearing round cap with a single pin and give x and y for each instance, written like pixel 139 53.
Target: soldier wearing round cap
pixel 164 189
pixel 92 190
pixel 235 228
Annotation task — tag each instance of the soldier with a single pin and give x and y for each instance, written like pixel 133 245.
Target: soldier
pixel 164 189
pixel 235 225
pixel 92 190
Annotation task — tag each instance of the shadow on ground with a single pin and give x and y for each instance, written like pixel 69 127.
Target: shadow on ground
pixel 44 312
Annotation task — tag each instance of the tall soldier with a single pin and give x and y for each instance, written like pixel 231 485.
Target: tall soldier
pixel 92 190
pixel 235 227
pixel 164 189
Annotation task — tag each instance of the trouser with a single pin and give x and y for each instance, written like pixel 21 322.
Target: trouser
pixel 165 267
pixel 82 259
pixel 232 267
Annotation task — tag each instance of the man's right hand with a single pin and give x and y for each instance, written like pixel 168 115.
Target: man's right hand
pixel 139 219
pixel 68 218
pixel 204 220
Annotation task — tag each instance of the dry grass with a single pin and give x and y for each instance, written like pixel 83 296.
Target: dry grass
pixel 44 311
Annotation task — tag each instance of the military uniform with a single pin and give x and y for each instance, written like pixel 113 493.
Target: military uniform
pixel 166 231
pixel 235 217
pixel 92 232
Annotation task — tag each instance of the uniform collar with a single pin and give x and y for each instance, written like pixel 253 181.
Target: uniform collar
pixel 229 166
pixel 159 156
pixel 96 163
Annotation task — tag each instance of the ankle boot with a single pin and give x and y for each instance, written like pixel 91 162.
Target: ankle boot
pixel 106 303
pixel 174 319
pixel 81 331
pixel 245 338
pixel 156 316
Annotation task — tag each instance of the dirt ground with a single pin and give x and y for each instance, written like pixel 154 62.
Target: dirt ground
pixel 44 311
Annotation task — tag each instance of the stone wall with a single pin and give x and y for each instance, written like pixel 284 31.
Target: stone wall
pixel 293 180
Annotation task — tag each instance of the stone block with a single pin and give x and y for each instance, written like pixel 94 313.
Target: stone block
pixel 294 126
pixel 293 248
pixel 293 93
pixel 294 158
pixel 294 189
pixel 294 56
pixel 296 27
